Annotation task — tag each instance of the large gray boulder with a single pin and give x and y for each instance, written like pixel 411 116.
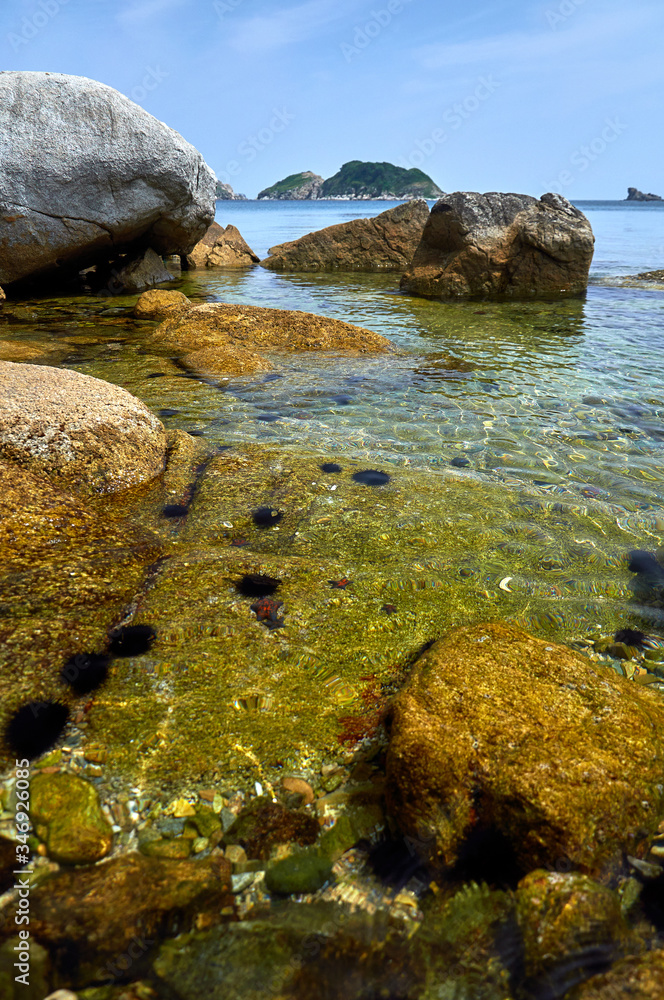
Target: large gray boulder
pixel 85 172
pixel 501 245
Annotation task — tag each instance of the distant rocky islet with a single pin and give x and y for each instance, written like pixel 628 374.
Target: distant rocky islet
pixel 355 181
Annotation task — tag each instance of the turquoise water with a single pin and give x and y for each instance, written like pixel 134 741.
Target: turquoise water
pixel 565 396
pixel 552 413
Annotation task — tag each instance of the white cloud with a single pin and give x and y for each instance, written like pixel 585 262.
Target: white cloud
pixel 525 49
pixel 136 12
pixel 292 24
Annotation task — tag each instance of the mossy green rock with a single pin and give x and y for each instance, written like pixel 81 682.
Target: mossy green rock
pixel 571 927
pixel 178 848
pixel 101 923
pixel 639 977
pixel 495 727
pixel 317 951
pixel 66 812
pixel 306 872
pixel 39 976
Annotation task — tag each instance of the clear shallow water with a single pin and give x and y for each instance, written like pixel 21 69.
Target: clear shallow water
pixel 556 409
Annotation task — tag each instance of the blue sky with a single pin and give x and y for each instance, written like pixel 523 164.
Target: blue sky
pixel 565 95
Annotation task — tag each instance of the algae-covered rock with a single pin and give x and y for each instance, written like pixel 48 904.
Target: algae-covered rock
pixel 572 927
pixel 86 433
pixel 99 922
pixel 37 985
pixel 255 327
pixel 159 303
pixel 67 815
pixel 469 945
pixel 302 872
pixel 497 729
pixel 263 824
pixel 317 951
pixel 68 568
pixel 638 977
pixel 176 847
pixel 223 360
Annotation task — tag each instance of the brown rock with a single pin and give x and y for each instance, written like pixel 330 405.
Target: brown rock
pixel 159 303
pixel 100 921
pixel 12 350
pixel 250 327
pixel 384 243
pixel 78 429
pixel 639 977
pixel 496 729
pixel 501 245
pixel 222 248
pixel 223 361
pixel 297 786
pixel 571 927
pixel 264 824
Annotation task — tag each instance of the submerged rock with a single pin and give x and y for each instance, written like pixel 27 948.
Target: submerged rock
pixel 384 243
pixel 85 171
pixel 77 429
pixel 501 245
pixel 222 248
pixel 500 732
pixel 67 816
pixel 223 361
pixel 160 303
pixel 638 977
pixel 317 951
pixel 221 325
pixel 571 927
pixel 101 921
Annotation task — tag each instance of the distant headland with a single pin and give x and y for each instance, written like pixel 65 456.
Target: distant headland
pixel 633 194
pixel 356 181
pixel 225 192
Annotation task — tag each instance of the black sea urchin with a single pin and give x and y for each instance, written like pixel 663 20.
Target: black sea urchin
pixel 35 727
pixel 175 510
pixel 329 467
pixel 371 477
pixel 85 672
pixel 257 585
pixel 630 637
pixel 265 517
pixel 131 640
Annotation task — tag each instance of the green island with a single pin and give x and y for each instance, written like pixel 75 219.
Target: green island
pixel 356 180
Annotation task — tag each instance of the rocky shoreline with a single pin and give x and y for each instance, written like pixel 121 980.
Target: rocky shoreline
pixel 260 762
